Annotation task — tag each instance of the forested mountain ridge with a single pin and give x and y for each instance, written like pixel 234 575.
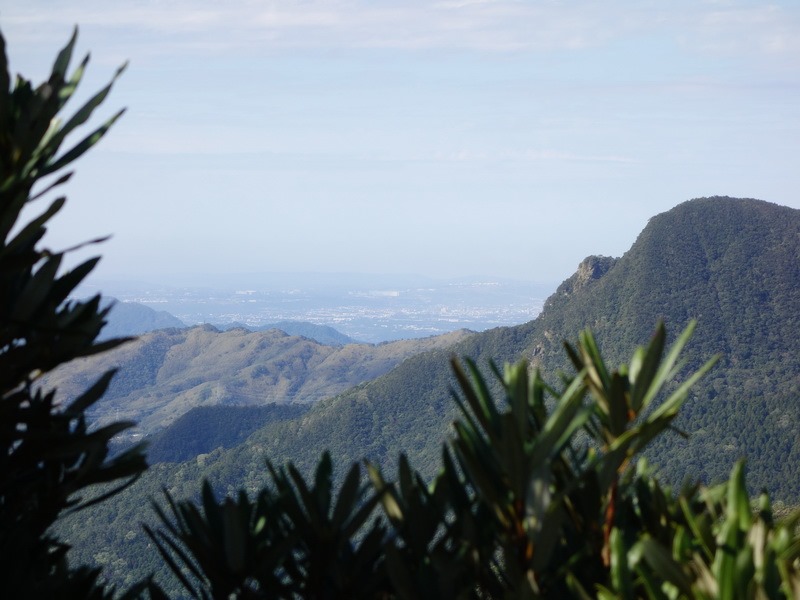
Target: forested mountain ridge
pixel 731 264
pixel 165 373
pixel 734 266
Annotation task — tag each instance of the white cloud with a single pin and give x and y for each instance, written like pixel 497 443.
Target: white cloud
pixel 156 27
pixel 496 25
pixel 741 29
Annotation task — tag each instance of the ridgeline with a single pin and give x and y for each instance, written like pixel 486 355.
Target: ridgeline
pixel 731 264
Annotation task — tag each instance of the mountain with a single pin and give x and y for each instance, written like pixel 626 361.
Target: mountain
pixel 205 428
pixel 731 264
pixel 164 374
pixel 734 265
pixel 323 334
pixel 131 318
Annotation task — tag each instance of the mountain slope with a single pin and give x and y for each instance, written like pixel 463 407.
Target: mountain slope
pixel 205 428
pixel 164 374
pixel 731 264
pixel 734 265
pixel 323 334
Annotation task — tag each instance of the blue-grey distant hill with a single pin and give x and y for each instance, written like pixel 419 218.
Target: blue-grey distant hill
pixel 132 318
pixel 322 334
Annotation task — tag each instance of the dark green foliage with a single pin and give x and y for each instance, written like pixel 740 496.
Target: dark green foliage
pixel 533 511
pixel 50 455
pixel 746 407
pixel 537 496
pixel 205 428
pixel 746 251
pixel 731 264
pixel 294 541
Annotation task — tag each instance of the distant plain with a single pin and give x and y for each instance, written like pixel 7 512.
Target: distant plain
pixel 367 308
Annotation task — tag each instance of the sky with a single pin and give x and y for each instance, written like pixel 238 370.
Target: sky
pixel 498 138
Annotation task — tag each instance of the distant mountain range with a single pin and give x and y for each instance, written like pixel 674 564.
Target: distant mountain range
pixel 164 374
pixel 732 264
pixel 133 318
pixel 367 308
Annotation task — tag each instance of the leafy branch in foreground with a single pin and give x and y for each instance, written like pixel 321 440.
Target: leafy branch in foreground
pixel 50 454
pixel 294 541
pixel 541 494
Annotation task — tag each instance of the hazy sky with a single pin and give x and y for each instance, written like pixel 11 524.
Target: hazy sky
pixel 501 138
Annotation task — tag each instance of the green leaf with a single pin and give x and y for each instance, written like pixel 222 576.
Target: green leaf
pixel 386 494
pixel 562 424
pixel 699 527
pixel 61 64
pixel 661 561
pixel 644 366
pixel 724 568
pixel 162 541
pixel 92 395
pixel 620 575
pixel 665 370
pixel 738 499
pixel 234 534
pixel 50 145
pixel 349 496
pixel 5 81
pixel 33 231
pixel 477 396
pixel 596 370
pixel 81 147
pixel 60 181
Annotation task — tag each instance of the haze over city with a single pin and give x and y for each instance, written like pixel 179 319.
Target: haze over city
pixel 445 139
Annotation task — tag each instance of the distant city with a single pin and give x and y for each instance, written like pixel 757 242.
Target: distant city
pixel 366 308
